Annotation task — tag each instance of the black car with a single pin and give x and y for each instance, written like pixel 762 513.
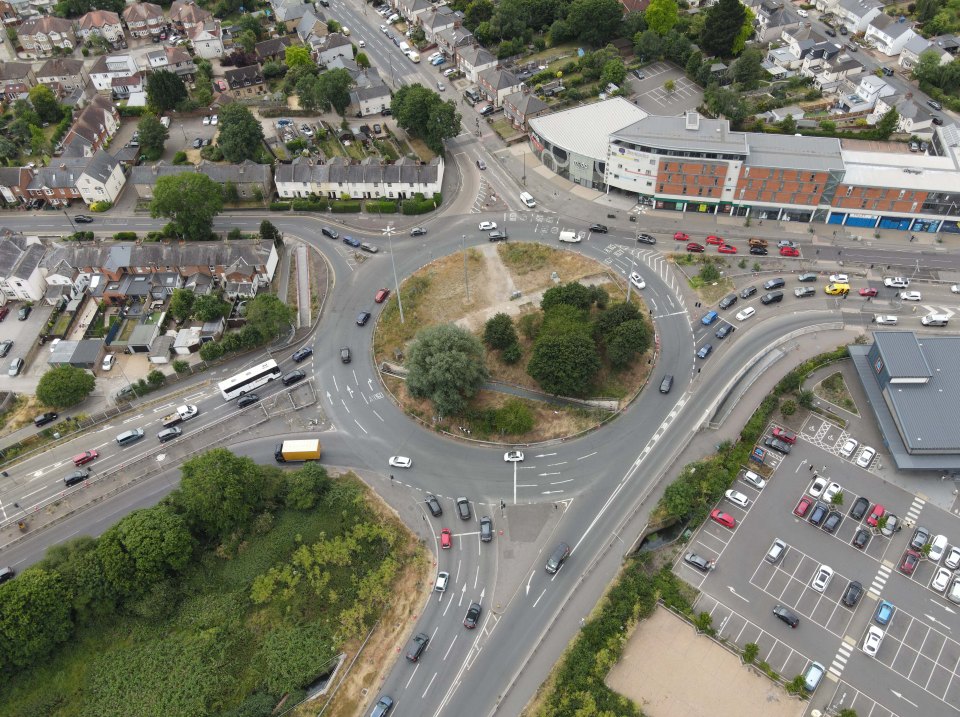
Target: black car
pixel 44 418
pixel 776 444
pixel 83 219
pixel 808 276
pixel 417 232
pixel 777 283
pixel 6 574
pixel 386 112
pixel 666 384
pixel 350 241
pixel 853 593
pixel 498 235
pixel 727 301
pixel 759 250
pixel 832 522
pixel 463 508
pixel 818 514
pixel 362 318
pixel 302 354
pixel 75 477
pixel 473 615
pixel 936 105
pixel 786 615
pixel 329 232
pixel 486 529
pixel 861 539
pixel 773 297
pixel 247 400
pixel 646 239
pixel 24 312
pixel 725 331
pixel 598 228
pixel 345 355
pixel 168 434
pixel 698 561
pixel 804 292
pixel 434 505
pixel 557 558
pixel 293 377
pixel 5 347
pixel 419 644
pixel 860 508
pixel 748 292
pixel 921 536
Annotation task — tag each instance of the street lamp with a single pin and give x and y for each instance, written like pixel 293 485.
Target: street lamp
pixel 389 232
pixel 633 266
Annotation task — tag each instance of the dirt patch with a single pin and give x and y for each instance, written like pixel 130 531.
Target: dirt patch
pixel 661 686
pixel 533 266
pixel 421 149
pixel 22 411
pixel 834 389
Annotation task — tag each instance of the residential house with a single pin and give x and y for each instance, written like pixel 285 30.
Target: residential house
pixel 913 119
pixel 245 81
pixel 206 38
pixel 916 46
pixel 97 123
pixel 799 44
pixel 13 184
pixel 108 67
pixel 126 88
pixel 101 178
pixel 442 17
pixel 772 19
pixel 186 14
pixel 22 10
pixel 497 83
pixel 452 39
pixel 290 12
pixel 70 74
pixel 249 178
pixel 21 277
pixel 331 47
pixel 856 15
pixel 16 79
pixel 8 15
pixel 90 179
pixel 274 49
pixel 311 26
pixel 144 19
pixel 370 95
pixel 474 59
pixel 779 114
pixel 828 74
pixel 368 179
pixel 889 35
pixel 40 36
pixel 521 107
pixel 412 9
pixel 172 59
pixel 863 97
pixel 102 23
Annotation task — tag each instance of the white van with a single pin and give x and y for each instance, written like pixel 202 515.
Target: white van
pixel 569 237
pixel 345 31
pixel 935 320
pixel 414 56
pixel 404 48
pixel 528 199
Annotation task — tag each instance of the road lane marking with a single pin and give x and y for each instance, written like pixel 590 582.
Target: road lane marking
pixel 361 427
pixel 587 456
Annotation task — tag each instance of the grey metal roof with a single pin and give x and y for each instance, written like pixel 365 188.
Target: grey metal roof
pixel 902 355
pixel 12 247
pixel 244 172
pixel 813 153
pixel 340 171
pixel 860 7
pixel 584 130
pixel 679 134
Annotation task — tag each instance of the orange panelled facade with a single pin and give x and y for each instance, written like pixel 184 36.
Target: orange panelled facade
pixel 695 179
pixel 781 186
pixel 880 199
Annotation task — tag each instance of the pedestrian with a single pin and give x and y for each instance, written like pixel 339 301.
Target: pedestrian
pixel 810 467
pixel 391 476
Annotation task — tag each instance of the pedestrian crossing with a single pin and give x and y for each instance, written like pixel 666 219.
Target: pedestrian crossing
pixel 880 579
pixel 913 513
pixel 840 660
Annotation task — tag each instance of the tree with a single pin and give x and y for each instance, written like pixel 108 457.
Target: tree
pixel 76 8
pixel 662 15
pixel 564 364
pixel 613 71
pixel 334 87
pixel 748 69
pixel 362 60
pixel 269 315
pixel 648 45
pixel 143 548
pixel 444 124
pixel 926 9
pixel 220 492
pixel 422 112
pixel 64 386
pixel 887 124
pixel 308 92
pixel 190 201
pixel 34 617
pixel 596 21
pixel 306 486
pixel 252 24
pixel 478 11
pixel 208 307
pixel 269 233
pixel 788 125
pixel 571 294
pixel 181 304
pixel 723 24
pixel 247 40
pixel 153 136
pixel 499 333
pixel 45 103
pixel 445 364
pixel 626 341
pixel 241 134
pixel 296 55
pixel 165 90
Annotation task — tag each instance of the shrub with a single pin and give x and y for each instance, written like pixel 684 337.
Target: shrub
pixel 125 236
pixel 100 206
pixel 514 418
pixel 310 205
pixel 181 366
pixel 346 207
pixel 788 408
pixel 382 206
pixel 280 206
pixel 709 272
pixel 180 158
pixel 750 652
pixel 156 378
pixel 512 354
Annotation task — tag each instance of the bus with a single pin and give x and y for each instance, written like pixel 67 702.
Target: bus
pixel 246 381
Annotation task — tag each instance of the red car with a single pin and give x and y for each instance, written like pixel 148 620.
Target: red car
pixel 382 295
pixel 868 292
pixel 875 515
pixel 725 519
pixel 694 247
pixel 714 239
pixel 680 236
pixel 4 310
pixel 909 562
pixel 803 507
pixel 85 457
pixel 726 249
pixel 446 538
pixel 784 435
pixel 789 251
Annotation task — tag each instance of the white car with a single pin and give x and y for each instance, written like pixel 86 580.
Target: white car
pixel 955 288
pixel 441 87
pixel 449 71
pixel 384 29
pixel 754 480
pixel 817 487
pixel 215 119
pixel 822 578
pixel 896 282
pixel 952 560
pixel 871 645
pixel 434 56
pixel 910 296
pixel 938 546
pixel 940 580
pixel 513 456
pixel 746 313
pixel 737 498
pixel 206 120
pixel 306 131
pixel 885 320
pixel 637 280
pixel 866 457
pixel 361 43
pixel 839 279
pixel 831 491
pixel 849 447
pixel 108 361
pixel 442 580
pixel 803 13
pixel 953 594
pixel 486 226
pixel 400 462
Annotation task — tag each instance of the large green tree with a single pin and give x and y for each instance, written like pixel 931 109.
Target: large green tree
pixel 269 315
pixel 596 22
pixel 662 15
pixel 190 201
pixel 165 90
pixel 564 364
pixel 153 135
pixel 34 617
pixel 499 333
pixel 76 8
pixel 723 24
pixel 334 89
pixel 209 307
pixel 220 492
pixel 64 386
pixel 887 124
pixel 296 55
pixel 45 103
pixel 445 364
pixel 181 304
pixel 748 69
pixel 424 113
pixel 241 134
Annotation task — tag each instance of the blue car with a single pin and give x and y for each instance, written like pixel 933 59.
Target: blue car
pixel 884 612
pixel 439 61
pixel 350 241
pixel 709 318
pixel 704 351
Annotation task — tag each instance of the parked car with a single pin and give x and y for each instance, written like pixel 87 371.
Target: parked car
pixel 748 292
pixel 724 519
pixel 737 498
pixel 45 418
pixel 776 552
pixel 725 331
pixel 853 593
pixel 776 444
pixel 849 446
pixel 753 479
pixel 784 435
pixel 875 515
pixel 941 579
pixel 873 640
pixel 821 579
pixel 866 457
pixel 861 538
pixel 803 507
pixel 704 351
pixel 884 613
pixel 832 522
pixel 813 676
pixel 938 546
pixel 819 514
pixel 787 615
pixel 695 248
pixel 727 301
pixel 5 347
pixel 699 562
pixel 24 312
pixel 921 536
pixel 909 562
pixel 746 313
pixel 859 508
pixel 807 276
pixel 709 317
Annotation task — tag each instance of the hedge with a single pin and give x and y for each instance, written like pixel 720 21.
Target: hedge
pixel 310 205
pixel 127 111
pixel 125 236
pixel 279 206
pixel 383 206
pixel 346 207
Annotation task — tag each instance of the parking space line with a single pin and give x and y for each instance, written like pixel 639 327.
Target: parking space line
pixel 919 653
pixel 936 663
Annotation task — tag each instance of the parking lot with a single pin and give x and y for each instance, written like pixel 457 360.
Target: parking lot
pixel 655 99
pixel 918 656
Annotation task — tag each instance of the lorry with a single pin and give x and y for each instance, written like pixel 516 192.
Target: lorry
pixel 184 413
pixel 303 450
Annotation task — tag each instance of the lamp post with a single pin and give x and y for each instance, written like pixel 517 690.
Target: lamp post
pixel 633 266
pixel 389 232
pixel 466 277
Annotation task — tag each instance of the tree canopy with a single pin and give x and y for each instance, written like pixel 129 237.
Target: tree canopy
pixel 34 617
pixel 596 22
pixel 153 135
pixel 190 201
pixel 64 386
pixel 723 26
pixel 333 87
pixel 445 364
pixel 296 55
pixel 662 15
pixel 424 113
pixel 241 134
pixel 45 103
pixel 165 90
pixel 220 492
pixel 269 315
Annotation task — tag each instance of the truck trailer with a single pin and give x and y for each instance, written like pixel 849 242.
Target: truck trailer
pixel 184 413
pixel 304 450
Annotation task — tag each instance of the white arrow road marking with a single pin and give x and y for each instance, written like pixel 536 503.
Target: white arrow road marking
pixel 730 588
pixel 551 492
pixel 329 397
pixel 897 694
pixel 544 455
pixel 370 383
pixel 350 391
pixel 530 580
pixel 548 474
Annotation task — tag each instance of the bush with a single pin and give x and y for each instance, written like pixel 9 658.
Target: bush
pixel 125 236
pixel 280 206
pixel 346 207
pixel 709 272
pixel 412 207
pixel 180 158
pixel 750 652
pixel 514 418
pixel 788 408
pixel 101 206
pixel 382 206
pixel 126 111
pixel 310 205
pixel 181 366
pixel 512 354
pixel 156 378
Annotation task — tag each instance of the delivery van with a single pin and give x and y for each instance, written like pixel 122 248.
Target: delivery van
pixel 569 237
pixel 528 199
pixel 935 320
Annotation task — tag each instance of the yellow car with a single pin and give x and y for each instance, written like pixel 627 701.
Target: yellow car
pixel 835 289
